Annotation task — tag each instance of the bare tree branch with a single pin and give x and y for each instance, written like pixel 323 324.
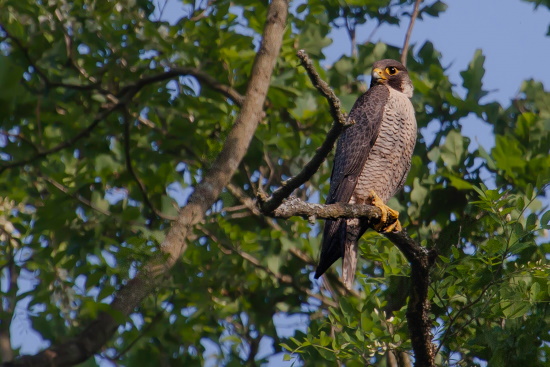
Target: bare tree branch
pixel 405 50
pixel 198 15
pixel 323 88
pixel 293 206
pixel 250 204
pixel 84 345
pixel 267 205
pixel 418 308
pixel 21 137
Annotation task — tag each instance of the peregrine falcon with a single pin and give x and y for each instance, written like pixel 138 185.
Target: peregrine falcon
pixel 372 160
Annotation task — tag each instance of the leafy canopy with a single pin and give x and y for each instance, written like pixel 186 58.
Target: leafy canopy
pixel 94 163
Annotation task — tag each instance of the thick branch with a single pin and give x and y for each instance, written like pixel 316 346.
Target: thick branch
pixel 293 206
pixel 130 296
pixel 340 122
pixel 418 308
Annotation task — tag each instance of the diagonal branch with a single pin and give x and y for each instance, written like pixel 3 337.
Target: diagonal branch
pixel 84 345
pixel 267 205
pixel 75 196
pixel 323 88
pixel 405 50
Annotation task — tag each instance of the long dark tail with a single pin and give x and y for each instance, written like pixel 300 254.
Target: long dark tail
pixel 332 248
pixel 340 239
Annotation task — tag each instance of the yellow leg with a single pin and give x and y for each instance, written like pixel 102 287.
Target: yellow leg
pixel 389 221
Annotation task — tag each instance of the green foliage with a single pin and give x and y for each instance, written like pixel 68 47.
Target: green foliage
pixel 79 223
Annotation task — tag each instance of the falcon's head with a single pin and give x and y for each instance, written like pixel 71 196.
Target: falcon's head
pixel 393 74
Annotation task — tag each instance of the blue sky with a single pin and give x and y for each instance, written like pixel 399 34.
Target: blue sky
pixel 512 37
pixel 511 34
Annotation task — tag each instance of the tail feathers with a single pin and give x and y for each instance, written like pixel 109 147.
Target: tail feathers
pixel 354 231
pixel 334 236
pixel 349 264
pixel 340 239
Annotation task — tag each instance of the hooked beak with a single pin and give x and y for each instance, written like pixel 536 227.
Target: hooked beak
pixel 378 75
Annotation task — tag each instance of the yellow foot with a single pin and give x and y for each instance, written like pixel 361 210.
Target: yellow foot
pixel 389 221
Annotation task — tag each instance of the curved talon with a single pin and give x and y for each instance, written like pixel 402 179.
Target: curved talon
pixel 389 221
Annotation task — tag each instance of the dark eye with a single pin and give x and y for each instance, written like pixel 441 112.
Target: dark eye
pixel 391 70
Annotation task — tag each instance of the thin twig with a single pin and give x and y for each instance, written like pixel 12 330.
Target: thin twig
pixel 21 137
pixel 405 50
pixel 78 197
pixel 196 17
pixel 133 173
pixel 452 318
pixel 161 9
pixel 323 88
pixel 25 52
pixel 40 72
pixel 372 33
pixel 67 143
pixel 201 76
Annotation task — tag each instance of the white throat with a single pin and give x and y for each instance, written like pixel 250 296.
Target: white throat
pixel 407 88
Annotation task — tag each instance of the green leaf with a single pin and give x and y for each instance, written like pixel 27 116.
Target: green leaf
pixel 472 77
pixel 435 9
pixel 454 149
pixel 545 220
pixel 488 159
